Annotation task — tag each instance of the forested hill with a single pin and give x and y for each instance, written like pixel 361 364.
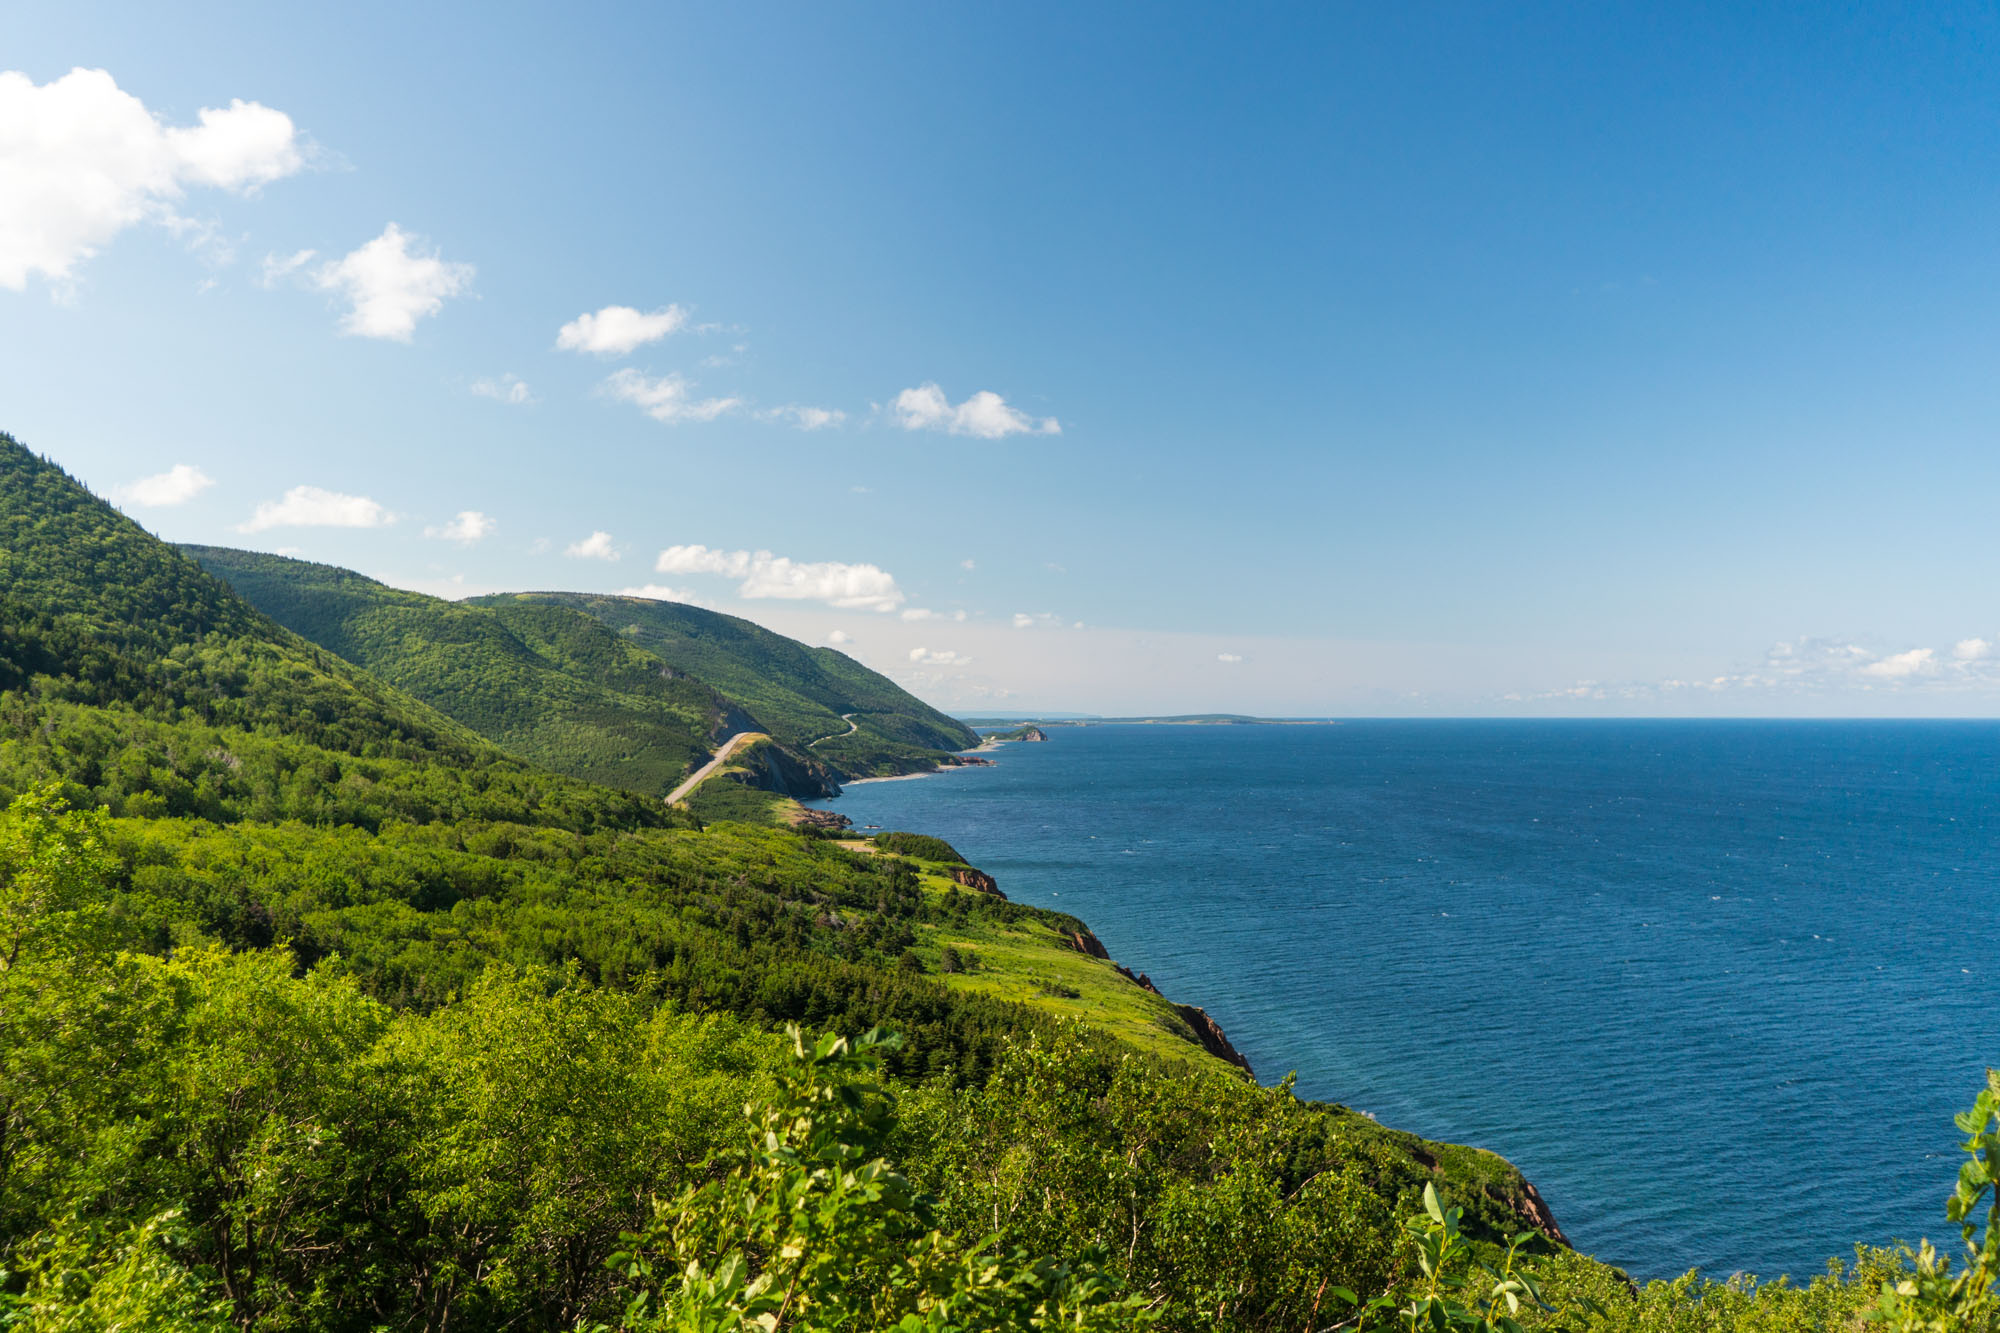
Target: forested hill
pixel 546 682
pixel 138 678
pixel 801 694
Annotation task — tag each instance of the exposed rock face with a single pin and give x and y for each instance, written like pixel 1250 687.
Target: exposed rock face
pixel 977 880
pixel 1139 979
pixel 1085 942
pixel 1534 1210
pixel 1209 1033
pixel 969 761
pixel 790 773
pixel 821 819
pixel 1033 734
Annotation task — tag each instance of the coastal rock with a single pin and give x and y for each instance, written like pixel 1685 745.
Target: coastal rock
pixel 1139 979
pixel 821 819
pixel 1032 734
pixel 1209 1033
pixel 1534 1210
pixel 1084 942
pixel 977 880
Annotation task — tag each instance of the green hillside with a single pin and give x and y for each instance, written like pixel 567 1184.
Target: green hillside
pixel 143 684
pixel 800 694
pixel 547 683
pixel 320 1013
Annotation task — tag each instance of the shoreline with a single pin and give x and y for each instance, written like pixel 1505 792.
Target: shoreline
pixel 1208 1035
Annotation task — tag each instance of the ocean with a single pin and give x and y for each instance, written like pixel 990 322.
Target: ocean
pixel 1717 988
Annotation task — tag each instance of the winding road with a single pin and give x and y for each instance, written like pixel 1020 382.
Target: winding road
pixel 852 727
pixel 695 778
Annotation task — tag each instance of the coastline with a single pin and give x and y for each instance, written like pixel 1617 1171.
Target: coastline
pixel 1207 1035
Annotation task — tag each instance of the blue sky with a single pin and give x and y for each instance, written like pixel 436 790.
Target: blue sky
pixel 1319 360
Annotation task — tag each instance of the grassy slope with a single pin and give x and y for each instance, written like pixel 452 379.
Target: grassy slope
pixel 113 638
pixel 799 693
pixel 546 682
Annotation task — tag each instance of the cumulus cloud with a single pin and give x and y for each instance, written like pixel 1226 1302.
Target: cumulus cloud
pixel 618 330
pixel 597 546
pixel 804 418
pixel 968 564
pixel 938 657
pixel 1972 650
pixel 762 574
pixel 314 507
pixel 1899 665
pixel 660 592
pixel 838 637
pixel 470 526
pixel 984 416
pixel 1228 657
pixel 509 389
pixel 917 613
pixel 388 287
pixel 177 485
pixel 669 399
pixel 81 160
pixel 1040 620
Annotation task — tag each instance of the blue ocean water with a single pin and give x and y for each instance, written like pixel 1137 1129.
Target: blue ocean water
pixel 1716 987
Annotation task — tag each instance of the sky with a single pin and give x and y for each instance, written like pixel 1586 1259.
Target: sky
pixel 1315 360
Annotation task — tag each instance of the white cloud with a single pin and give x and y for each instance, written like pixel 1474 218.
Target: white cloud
pixel 958 616
pixel 1041 620
pixel 967 564
pixel 597 546
pixel 985 415
pixel 1899 665
pixel 668 399
pixel 1022 620
pixel 938 657
pixel 314 507
pixel 660 592
pixel 853 587
pixel 838 637
pixel 277 268
pixel 470 526
pixel 509 389
pixel 1228 657
pixel 388 288
pixel 177 485
pixel 81 160
pixel 917 613
pixel 618 330
pixel 804 418
pixel 1971 650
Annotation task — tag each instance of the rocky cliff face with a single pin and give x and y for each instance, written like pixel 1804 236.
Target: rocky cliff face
pixel 1033 734
pixel 977 880
pixel 1209 1033
pixel 1084 942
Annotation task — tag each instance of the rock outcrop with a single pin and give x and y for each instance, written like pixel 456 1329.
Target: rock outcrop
pixel 1084 942
pixel 821 819
pixel 1534 1210
pixel 1032 734
pixel 1209 1033
pixel 1139 979
pixel 977 880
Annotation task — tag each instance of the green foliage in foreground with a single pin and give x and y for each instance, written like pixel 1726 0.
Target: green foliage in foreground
pixel 814 1229
pixel 223 1139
